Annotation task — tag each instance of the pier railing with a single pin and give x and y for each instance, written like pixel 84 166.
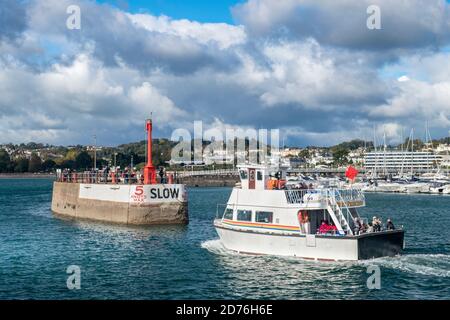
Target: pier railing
pixel 103 177
pixel 99 177
pixel 220 172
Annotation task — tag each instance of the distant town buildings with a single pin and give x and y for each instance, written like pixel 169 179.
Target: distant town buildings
pixel 391 160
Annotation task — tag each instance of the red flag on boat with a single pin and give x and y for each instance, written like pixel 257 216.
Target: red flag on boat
pixel 351 173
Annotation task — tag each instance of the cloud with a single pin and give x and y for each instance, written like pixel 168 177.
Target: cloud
pixel 418 101
pixel 140 41
pixel 404 24
pixel 79 99
pixel 12 19
pixel 311 69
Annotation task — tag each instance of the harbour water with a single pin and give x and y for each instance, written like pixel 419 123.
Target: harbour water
pixel 188 262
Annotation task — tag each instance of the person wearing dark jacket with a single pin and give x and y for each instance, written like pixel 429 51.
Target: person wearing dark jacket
pixel 390 225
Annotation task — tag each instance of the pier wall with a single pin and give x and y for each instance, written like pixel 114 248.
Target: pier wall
pixel 209 181
pixel 128 204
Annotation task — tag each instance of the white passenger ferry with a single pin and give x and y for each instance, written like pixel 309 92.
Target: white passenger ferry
pixel 264 216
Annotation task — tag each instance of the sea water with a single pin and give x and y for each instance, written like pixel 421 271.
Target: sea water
pixel 189 262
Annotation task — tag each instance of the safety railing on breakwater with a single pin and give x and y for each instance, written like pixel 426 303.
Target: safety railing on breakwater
pixel 219 172
pixel 105 177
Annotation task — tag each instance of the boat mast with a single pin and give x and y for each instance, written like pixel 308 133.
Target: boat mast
pixel 374 174
pixel 384 151
pixel 400 173
pixel 412 151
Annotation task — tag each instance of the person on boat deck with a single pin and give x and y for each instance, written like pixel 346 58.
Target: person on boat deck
pixel 376 223
pixel 331 228
pixel 365 228
pixel 323 227
pixel 390 225
pixel 303 219
pixel 358 227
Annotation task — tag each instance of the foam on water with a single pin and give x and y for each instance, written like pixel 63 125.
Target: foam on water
pixel 425 264
pixel 215 246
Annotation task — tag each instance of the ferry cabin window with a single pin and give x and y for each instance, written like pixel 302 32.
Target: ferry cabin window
pixel 228 214
pixel 244 215
pixel 259 175
pixel 243 174
pixel 264 216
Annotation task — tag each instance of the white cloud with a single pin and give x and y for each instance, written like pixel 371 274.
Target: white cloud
pixel 84 95
pixel 404 24
pixel 416 102
pixel 222 34
pixel 299 65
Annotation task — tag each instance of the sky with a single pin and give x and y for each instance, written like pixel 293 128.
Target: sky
pixel 312 69
pixel 204 11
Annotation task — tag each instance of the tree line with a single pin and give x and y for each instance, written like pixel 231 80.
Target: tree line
pixel 78 158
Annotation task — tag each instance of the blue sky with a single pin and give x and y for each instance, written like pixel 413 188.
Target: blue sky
pixel 198 10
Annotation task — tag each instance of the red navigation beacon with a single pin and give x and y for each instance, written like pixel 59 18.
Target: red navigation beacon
pixel 149 169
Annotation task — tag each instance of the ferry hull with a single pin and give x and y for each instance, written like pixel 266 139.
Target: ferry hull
pixel 315 247
pixel 126 204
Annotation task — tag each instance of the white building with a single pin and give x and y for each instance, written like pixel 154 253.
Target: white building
pixel 443 148
pixel 396 161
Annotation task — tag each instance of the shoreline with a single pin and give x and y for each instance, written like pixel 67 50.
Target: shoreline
pixel 26 175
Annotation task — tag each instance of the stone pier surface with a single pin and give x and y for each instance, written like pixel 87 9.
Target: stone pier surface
pixel 127 204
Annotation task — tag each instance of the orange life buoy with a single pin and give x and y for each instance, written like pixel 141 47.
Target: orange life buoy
pixel 303 216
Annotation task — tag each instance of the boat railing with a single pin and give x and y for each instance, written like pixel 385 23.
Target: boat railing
pixel 349 196
pixel 298 196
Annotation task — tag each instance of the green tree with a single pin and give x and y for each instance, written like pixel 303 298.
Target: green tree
pixel 48 165
pixel 68 164
pixel 83 160
pixel 304 154
pixel 21 165
pixel 5 161
pixel 340 156
pixel 35 163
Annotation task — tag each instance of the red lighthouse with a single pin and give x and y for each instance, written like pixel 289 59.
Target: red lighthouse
pixel 149 169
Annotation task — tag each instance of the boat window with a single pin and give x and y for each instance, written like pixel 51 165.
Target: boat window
pixel 228 214
pixel 259 175
pixel 264 216
pixel 243 174
pixel 244 215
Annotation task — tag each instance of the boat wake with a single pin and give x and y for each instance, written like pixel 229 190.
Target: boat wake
pixel 437 265
pixel 424 264
pixel 215 246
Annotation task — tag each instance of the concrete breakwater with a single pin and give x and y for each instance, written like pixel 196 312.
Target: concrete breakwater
pixel 128 204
